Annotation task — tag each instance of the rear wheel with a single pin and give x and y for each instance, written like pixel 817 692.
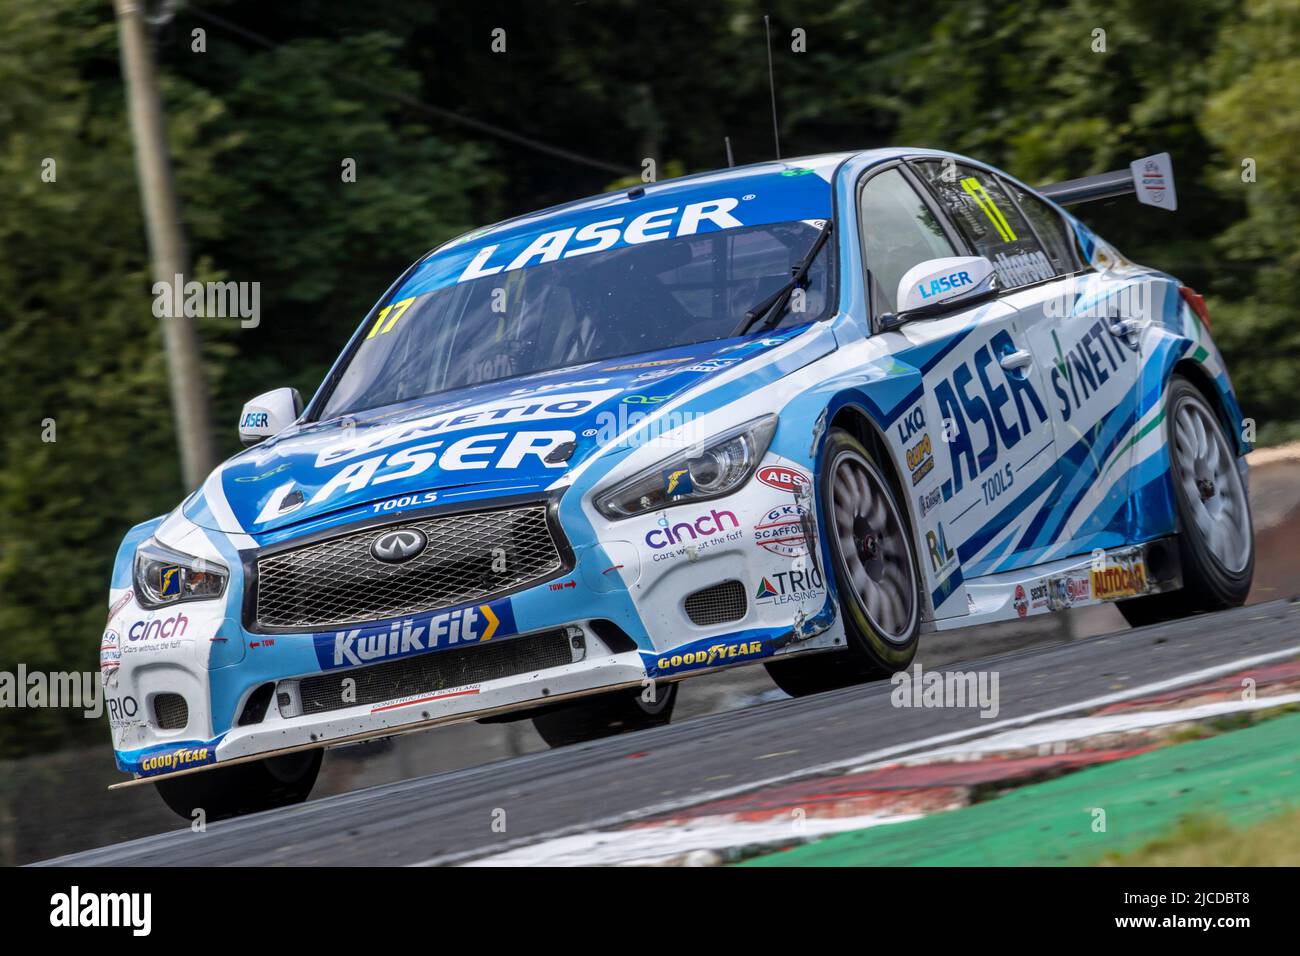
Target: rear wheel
pixel 875 572
pixel 606 715
pixel 1216 540
pixel 244 788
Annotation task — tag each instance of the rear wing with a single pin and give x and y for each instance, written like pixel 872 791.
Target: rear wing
pixel 1151 179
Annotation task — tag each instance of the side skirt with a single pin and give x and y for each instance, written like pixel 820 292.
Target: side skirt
pixel 1114 574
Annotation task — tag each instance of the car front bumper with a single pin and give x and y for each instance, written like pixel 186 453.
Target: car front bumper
pixel 664 596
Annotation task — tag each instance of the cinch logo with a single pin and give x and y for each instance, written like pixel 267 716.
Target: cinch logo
pixel 652 226
pixel 986 408
pixel 783 479
pixel 944 284
pixel 254 420
pixel 159 628
pixel 712 523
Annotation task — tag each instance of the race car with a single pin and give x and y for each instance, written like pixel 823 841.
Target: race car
pixel 795 413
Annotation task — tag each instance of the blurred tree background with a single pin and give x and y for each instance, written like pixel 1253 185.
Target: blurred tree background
pixel 261 121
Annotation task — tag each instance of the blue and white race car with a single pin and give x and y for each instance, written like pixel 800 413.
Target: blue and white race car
pixel 796 413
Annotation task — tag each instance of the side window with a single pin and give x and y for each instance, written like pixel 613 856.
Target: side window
pixel 1049 225
pixel 898 232
pixel 989 221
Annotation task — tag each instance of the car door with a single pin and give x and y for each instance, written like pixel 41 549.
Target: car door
pixel 1083 328
pixel 990 392
pixel 977 436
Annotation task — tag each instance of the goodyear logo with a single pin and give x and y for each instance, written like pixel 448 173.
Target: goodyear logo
pixel 678 482
pixel 178 759
pixel 169 581
pixel 707 653
pixel 470 624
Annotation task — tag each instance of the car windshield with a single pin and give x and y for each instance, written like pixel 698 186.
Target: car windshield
pixel 624 301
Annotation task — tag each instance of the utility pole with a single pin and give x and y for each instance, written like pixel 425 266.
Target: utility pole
pixel 166 241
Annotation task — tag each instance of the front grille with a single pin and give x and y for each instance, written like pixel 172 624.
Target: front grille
pixel 170 712
pixel 440 670
pixel 717 604
pixel 469 557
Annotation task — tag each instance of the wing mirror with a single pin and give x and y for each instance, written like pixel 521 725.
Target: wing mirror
pixel 269 414
pixel 941 285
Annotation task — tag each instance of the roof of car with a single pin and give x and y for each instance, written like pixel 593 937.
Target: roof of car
pixel 822 165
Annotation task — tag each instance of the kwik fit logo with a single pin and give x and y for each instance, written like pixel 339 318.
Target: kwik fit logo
pixel 473 624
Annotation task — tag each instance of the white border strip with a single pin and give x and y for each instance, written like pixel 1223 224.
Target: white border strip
pixel 872 757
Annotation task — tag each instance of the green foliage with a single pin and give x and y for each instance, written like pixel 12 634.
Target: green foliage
pixel 1254 116
pixel 259 134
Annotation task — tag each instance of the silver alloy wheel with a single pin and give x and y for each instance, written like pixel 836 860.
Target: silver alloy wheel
pixel 1207 471
pixel 874 548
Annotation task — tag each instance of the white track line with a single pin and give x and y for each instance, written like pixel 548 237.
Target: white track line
pixel 875 756
pixel 681 842
pixel 678 841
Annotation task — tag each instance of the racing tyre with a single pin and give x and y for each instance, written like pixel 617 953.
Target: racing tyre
pixel 875 571
pixel 605 715
pixel 243 788
pixel 1216 539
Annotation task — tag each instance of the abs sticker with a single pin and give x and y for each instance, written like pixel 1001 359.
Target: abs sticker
pixel 782 478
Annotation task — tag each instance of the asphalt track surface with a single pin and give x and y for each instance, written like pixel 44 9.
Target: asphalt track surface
pixel 447 818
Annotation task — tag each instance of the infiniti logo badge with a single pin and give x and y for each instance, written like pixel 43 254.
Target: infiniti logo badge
pixel 401 545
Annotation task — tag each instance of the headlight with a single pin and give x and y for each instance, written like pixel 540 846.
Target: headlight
pixel 707 470
pixel 164 576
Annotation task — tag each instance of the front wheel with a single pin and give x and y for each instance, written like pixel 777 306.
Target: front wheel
pixel 875 572
pixel 243 788
pixel 1216 538
pixel 605 715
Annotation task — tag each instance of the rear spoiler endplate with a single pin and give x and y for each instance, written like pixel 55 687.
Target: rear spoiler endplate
pixel 1151 179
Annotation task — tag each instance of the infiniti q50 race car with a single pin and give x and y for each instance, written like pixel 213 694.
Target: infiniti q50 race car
pixel 796 413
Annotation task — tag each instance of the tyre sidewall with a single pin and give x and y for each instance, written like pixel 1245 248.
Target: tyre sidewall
pixel 1210 585
pixel 889 656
